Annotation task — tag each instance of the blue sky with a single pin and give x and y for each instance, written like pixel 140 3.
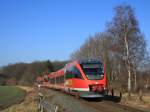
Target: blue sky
pixel 52 29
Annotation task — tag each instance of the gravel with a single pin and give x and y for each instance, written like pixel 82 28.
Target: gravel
pixel 66 103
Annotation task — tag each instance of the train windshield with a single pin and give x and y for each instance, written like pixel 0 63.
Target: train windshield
pixel 93 71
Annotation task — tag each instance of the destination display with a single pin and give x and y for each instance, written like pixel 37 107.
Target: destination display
pixel 91 65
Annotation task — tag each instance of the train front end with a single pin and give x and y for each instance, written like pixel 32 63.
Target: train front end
pixel 94 74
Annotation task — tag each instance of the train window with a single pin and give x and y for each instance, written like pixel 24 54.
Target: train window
pixel 49 80
pixel 69 73
pixel 93 71
pixel 62 79
pixel 73 72
pixel 59 79
pixel 56 79
pixel 76 73
pixel 53 80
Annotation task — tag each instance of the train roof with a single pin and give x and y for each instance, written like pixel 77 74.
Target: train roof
pixel 85 61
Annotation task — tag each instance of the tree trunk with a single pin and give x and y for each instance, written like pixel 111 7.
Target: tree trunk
pixel 146 86
pixel 128 63
pixel 135 81
pixel 129 81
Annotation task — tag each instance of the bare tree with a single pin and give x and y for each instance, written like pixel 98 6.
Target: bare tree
pixel 130 42
pixel 94 47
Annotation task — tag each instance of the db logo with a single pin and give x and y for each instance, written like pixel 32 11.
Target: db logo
pixel 68 82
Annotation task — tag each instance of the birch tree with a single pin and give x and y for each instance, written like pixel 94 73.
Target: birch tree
pixel 129 40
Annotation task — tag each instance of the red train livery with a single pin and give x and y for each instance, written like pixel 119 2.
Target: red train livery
pixel 83 78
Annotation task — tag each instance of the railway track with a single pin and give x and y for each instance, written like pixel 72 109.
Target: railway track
pixel 92 105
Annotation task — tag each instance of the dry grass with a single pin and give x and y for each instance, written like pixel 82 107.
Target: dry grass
pixel 26 88
pixel 28 105
pixel 135 101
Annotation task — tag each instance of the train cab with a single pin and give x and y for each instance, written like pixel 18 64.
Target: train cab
pixel 86 77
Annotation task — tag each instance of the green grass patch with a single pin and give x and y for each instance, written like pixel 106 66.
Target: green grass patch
pixel 10 95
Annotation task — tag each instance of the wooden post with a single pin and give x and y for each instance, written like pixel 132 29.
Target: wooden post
pixel 112 92
pixel 120 95
pixel 141 95
pixel 56 109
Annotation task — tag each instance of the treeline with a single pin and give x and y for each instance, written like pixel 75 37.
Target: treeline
pixel 25 73
pixel 123 48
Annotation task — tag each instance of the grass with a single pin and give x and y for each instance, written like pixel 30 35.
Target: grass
pixel 29 103
pixel 10 95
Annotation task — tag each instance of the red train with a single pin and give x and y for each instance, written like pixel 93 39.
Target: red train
pixel 83 78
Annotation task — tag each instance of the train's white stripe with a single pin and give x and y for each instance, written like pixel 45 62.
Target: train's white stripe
pixel 79 89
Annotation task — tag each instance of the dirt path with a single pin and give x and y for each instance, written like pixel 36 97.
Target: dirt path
pixel 68 103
